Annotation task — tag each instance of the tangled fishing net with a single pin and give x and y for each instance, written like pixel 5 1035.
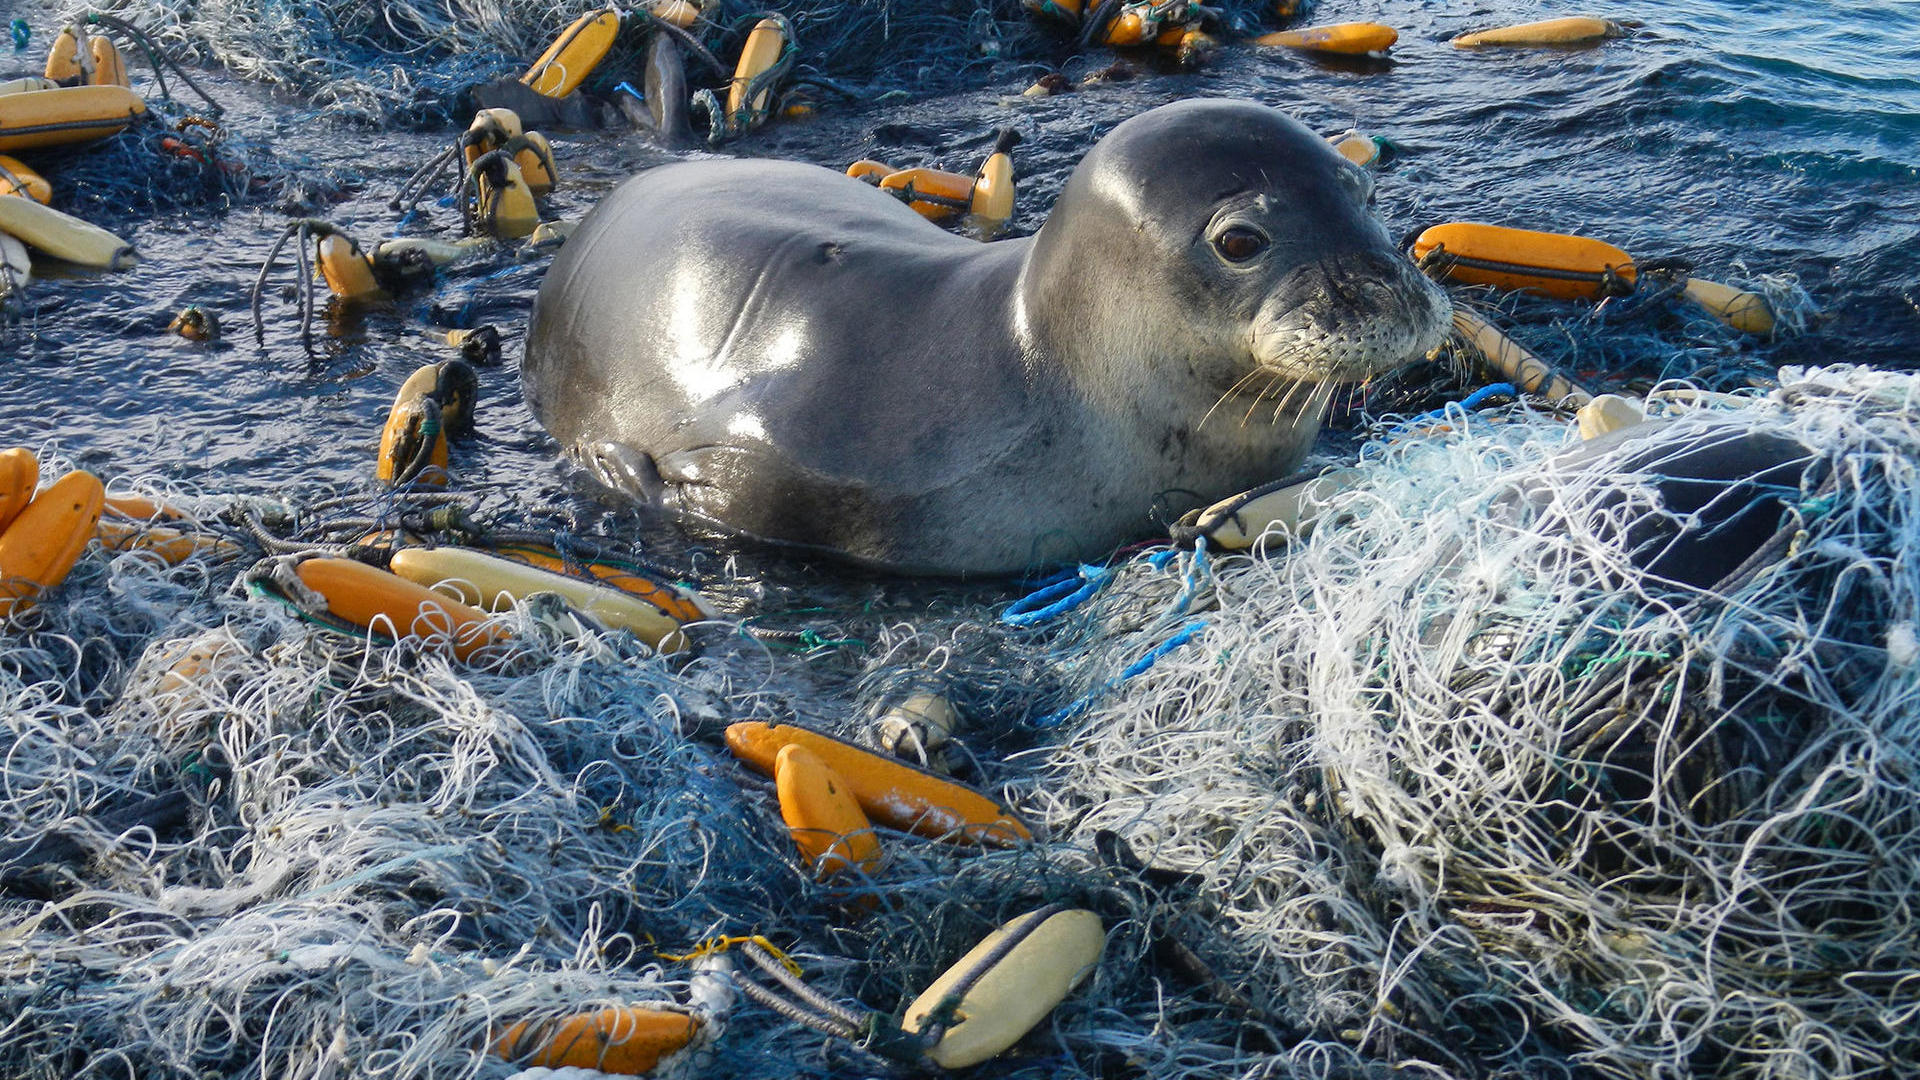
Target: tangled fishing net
pixel 1470 786
pixel 405 60
pixel 1464 784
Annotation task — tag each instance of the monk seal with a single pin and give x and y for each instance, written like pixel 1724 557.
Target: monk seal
pixel 784 352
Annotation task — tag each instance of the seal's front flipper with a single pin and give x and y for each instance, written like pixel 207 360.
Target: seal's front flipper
pixel 625 470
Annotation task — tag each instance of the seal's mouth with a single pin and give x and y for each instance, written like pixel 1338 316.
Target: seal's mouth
pixel 1348 321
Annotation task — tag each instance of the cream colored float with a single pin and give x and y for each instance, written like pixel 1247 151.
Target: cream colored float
pixel 1054 954
pixel 1576 30
pixel 1608 413
pixel 1290 510
pixel 16 266
pixel 1526 371
pixel 64 236
pixel 495 584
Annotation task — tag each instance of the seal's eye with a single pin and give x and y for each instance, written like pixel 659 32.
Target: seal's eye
pixel 1239 243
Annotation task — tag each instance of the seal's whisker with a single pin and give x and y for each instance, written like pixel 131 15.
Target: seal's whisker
pixel 1274 380
pixel 1231 390
pixel 1287 398
pixel 1317 399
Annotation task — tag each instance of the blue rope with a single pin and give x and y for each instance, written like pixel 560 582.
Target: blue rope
pixel 22 33
pixel 628 87
pixel 1152 657
pixel 1057 598
pixel 1466 404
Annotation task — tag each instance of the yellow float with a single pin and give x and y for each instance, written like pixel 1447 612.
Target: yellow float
pixel 1553 264
pixel 1351 39
pixel 44 540
pixel 891 792
pixel 1569 31
pixel 574 54
pixel 624 1041
pixel 748 104
pixel 66 115
pixel 384 603
pixel 17 179
pixel 19 477
pixel 821 812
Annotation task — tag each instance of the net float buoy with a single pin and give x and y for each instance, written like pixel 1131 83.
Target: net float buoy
pixel 492 583
pixel 833 834
pixel 891 792
pixel 1348 39
pixel 44 540
pixel 1568 31
pixel 1006 985
pixel 574 54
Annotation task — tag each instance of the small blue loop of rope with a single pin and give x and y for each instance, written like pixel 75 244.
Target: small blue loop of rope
pixel 1466 404
pixel 1153 655
pixel 22 33
pixel 628 87
pixel 1056 599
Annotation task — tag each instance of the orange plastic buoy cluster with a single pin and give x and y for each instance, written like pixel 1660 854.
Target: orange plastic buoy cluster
pixel 1553 264
pixel 626 1041
pixel 1352 39
pixel 936 194
pixel 388 604
pixel 891 792
pixel 44 533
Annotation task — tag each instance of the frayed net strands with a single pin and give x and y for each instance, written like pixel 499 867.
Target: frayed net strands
pixel 237 844
pixel 405 59
pixel 1454 787
pixel 1474 792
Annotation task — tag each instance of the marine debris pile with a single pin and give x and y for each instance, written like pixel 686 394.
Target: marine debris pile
pixel 1540 762
pixel 1533 744
pixel 1584 776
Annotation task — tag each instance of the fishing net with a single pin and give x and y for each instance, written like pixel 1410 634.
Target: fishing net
pixel 405 61
pixel 1506 770
pixel 1501 772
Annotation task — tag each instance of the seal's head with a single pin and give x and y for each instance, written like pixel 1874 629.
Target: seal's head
pixel 1253 229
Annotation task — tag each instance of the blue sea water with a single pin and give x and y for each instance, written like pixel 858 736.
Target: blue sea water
pixel 1752 138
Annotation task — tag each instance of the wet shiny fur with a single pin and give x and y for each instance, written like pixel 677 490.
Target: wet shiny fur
pixel 781 351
